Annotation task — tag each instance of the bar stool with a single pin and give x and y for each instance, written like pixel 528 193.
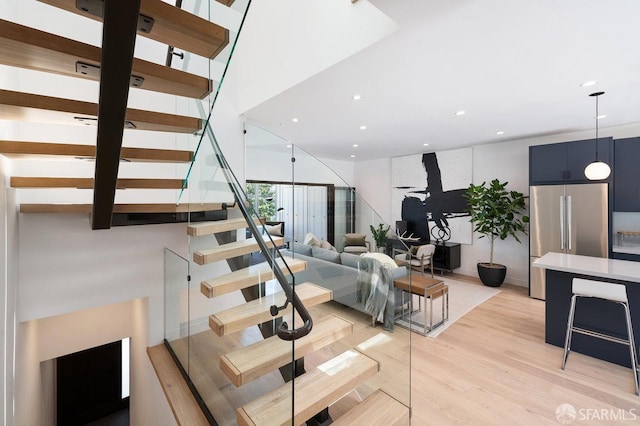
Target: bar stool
pixel 607 291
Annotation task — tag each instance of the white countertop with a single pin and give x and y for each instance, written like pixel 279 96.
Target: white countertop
pixel 624 270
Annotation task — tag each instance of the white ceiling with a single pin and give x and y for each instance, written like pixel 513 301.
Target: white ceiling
pixel 513 66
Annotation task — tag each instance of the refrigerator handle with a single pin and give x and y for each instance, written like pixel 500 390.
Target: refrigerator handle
pixel 562 222
pixel 569 217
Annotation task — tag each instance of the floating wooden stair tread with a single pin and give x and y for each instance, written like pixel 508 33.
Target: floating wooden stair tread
pixel 213 227
pixel 377 409
pixel 227 251
pixel 172 26
pixel 87 183
pixel 257 311
pixel 122 208
pixel 183 404
pixel 246 277
pixel 248 363
pixel 30 48
pixel 29 107
pixel 18 149
pixel 315 390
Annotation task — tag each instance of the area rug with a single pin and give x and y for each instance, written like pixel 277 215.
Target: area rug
pixel 463 297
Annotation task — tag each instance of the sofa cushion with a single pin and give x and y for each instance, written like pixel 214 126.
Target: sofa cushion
pixel 304 249
pixel 348 259
pixel 382 258
pixel 324 254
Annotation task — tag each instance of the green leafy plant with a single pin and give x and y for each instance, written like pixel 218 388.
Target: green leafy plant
pixel 379 234
pixel 496 212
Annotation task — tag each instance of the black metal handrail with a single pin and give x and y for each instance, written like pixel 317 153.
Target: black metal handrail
pixel 283 330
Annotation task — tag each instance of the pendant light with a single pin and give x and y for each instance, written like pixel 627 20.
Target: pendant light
pixel 597 170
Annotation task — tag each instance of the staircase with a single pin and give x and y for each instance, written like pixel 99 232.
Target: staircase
pixel 243 365
pixel 248 379
pixel 34 49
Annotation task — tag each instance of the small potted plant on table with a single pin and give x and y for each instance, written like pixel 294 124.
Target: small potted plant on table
pixel 379 234
pixel 496 213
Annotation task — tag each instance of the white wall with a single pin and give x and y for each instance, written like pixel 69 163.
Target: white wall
pixel 284 42
pixel 507 161
pixel 43 340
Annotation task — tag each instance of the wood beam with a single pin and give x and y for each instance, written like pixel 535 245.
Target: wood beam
pixel 119 29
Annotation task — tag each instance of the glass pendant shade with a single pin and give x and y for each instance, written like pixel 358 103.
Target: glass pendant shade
pixel 597 171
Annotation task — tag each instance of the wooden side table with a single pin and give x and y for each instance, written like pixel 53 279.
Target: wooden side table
pixel 430 289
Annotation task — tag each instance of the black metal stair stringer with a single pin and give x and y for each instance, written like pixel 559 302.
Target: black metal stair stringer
pixel 118 41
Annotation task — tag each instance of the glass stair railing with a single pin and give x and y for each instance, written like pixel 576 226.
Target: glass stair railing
pixel 250 356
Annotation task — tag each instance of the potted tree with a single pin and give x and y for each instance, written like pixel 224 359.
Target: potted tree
pixel 379 234
pixel 496 213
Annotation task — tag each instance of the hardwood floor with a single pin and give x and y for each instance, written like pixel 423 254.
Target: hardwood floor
pixel 490 367
pixel 493 367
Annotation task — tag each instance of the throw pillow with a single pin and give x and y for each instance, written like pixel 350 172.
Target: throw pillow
pixel 354 240
pixel 327 245
pixel 311 240
pixel 382 258
pixel 275 230
pixel 327 255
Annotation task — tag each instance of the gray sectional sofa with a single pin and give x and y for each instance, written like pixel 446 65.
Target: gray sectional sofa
pixel 335 271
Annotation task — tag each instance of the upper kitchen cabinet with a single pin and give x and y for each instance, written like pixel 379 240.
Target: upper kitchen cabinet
pixel 626 175
pixel 565 162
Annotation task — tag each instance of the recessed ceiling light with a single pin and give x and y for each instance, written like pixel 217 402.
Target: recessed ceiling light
pixel 588 83
pixel 601 116
pixel 363 127
pixel 295 120
pixel 425 144
pixel 357 97
pixel 352 156
pixel 461 112
pixel 288 146
pixel 355 145
pixel 500 132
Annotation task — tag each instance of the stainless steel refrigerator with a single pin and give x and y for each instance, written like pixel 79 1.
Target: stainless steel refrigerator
pixel 566 219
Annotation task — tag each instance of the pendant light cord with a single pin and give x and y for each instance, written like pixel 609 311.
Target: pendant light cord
pixel 597 96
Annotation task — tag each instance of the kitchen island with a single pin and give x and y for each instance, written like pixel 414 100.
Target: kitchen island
pixel 595 314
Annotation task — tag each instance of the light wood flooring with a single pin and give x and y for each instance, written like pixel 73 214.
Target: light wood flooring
pixel 491 367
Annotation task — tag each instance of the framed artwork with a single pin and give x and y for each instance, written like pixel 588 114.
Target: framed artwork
pixel 427 193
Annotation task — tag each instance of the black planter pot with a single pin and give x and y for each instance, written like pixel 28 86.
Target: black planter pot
pixel 492 275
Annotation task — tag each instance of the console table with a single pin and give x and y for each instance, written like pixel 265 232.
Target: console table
pixel 445 258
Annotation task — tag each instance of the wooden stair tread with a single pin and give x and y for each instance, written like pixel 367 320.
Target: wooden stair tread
pixel 212 227
pixel 248 363
pixel 378 408
pixel 87 183
pixel 257 311
pixel 182 402
pixel 246 277
pixel 237 248
pixel 22 106
pixel 172 26
pixel 29 48
pixel 122 208
pixel 315 390
pixel 20 149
